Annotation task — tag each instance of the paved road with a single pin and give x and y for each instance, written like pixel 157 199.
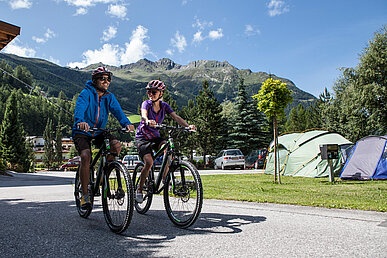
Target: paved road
pixel 38 218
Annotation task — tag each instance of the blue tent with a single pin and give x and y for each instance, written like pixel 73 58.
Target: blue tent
pixel 367 160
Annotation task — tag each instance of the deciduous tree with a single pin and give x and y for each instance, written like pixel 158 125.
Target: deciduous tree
pixel 272 99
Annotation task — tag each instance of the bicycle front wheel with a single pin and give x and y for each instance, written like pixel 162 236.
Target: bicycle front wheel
pixel 183 194
pixel 117 197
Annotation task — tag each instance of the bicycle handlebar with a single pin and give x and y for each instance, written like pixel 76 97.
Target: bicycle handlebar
pixel 163 126
pixel 109 130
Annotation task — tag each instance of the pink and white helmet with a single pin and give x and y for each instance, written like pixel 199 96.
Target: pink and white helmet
pixel 155 85
pixel 101 71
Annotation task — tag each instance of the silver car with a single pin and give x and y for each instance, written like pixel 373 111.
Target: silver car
pixel 230 159
pixel 130 161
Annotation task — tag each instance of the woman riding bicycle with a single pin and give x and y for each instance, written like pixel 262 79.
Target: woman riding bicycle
pixel 153 112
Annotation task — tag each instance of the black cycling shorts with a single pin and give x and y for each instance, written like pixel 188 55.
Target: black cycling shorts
pixel 83 142
pixel 145 146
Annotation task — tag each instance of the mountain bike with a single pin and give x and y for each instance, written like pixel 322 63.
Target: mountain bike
pixel 183 190
pixel 117 188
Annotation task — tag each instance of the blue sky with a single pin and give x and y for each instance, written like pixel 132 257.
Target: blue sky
pixel 305 41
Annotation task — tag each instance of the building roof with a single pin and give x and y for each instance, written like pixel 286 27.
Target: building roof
pixel 7 33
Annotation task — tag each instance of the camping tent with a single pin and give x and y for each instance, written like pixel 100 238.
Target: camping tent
pixel 299 154
pixel 368 159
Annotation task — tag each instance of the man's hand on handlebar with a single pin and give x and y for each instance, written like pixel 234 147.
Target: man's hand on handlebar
pixel 130 128
pixel 83 126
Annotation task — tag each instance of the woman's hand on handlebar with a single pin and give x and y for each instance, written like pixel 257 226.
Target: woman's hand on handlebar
pixel 83 126
pixel 151 123
pixel 192 127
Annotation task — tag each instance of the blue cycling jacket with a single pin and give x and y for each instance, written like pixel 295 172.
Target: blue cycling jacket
pixel 95 111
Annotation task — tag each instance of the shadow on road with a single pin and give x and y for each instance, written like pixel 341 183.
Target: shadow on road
pixel 55 228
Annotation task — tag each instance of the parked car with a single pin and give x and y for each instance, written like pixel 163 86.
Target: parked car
pixel 71 163
pixel 231 158
pixel 256 158
pixel 130 161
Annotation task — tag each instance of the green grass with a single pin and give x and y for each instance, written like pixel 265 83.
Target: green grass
pixel 319 192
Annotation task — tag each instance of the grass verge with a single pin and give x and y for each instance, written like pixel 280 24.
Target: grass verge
pixel 319 192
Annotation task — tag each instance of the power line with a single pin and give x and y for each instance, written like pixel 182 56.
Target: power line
pixel 33 89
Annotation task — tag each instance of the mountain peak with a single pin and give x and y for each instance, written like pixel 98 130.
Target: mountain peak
pixel 209 64
pixel 166 64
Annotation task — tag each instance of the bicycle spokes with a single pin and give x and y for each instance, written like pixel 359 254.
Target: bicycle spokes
pixel 183 195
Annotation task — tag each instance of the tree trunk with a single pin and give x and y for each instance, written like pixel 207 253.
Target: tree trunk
pixel 275 147
pixel 276 154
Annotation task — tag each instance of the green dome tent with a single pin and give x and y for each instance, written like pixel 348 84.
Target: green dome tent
pixel 299 154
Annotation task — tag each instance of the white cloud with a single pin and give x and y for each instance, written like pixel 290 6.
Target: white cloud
pixel 215 34
pixel 49 34
pixel 88 3
pixel 109 33
pixel 14 48
pixel 19 4
pixel 277 7
pixel 251 31
pixel 82 5
pixel 114 55
pixel 179 42
pixel 204 26
pixel 169 52
pixel 81 11
pixel 108 54
pixel 201 25
pixel 117 10
pixel 136 48
pixel 197 37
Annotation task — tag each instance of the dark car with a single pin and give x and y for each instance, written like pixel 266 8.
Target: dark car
pixel 256 158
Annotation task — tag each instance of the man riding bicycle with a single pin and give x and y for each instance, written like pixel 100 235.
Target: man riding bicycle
pixel 92 111
pixel 153 112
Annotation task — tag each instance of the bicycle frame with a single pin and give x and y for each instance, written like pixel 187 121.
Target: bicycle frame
pixel 103 152
pixel 96 183
pixel 168 148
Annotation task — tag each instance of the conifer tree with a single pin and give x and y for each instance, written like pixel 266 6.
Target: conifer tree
pixel 259 129
pixel 228 121
pixel 208 120
pixel 24 76
pixel 58 146
pixel 168 99
pixel 249 128
pixel 12 136
pixel 243 121
pixel 49 155
pixel 187 141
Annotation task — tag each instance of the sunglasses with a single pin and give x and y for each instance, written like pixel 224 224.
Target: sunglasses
pixel 153 92
pixel 108 79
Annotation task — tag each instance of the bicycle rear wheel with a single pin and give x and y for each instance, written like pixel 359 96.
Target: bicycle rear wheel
pixel 78 195
pixel 147 190
pixel 117 197
pixel 183 194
